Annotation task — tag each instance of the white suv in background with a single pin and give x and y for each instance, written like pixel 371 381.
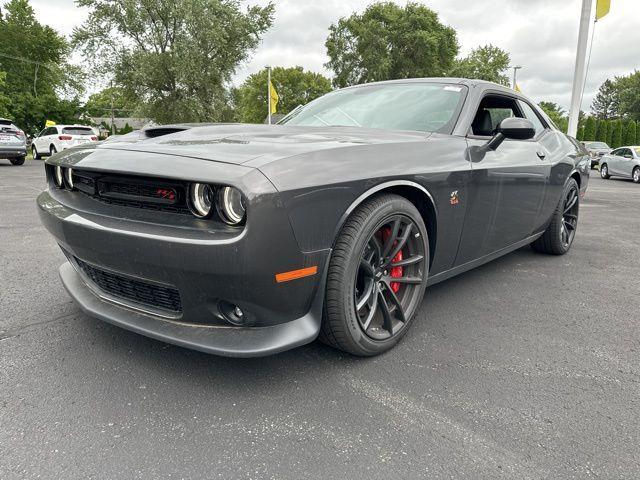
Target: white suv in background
pixel 58 138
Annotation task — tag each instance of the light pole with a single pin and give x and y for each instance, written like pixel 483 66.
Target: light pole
pixel 515 70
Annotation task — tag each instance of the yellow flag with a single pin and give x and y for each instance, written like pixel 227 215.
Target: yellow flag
pixel 517 88
pixel 273 98
pixel 602 8
pixel 49 123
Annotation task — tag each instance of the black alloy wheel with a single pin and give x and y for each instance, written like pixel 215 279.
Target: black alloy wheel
pixel 569 216
pixel 388 276
pixel 559 235
pixel 377 276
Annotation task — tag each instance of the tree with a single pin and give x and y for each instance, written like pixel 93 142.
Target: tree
pixel 580 133
pixel 387 42
pixel 39 81
pixel 590 129
pixel 610 125
pixel 4 99
pixel 629 95
pixel 99 104
pixel 557 114
pixel 616 135
pixel 294 86
pixel 176 58
pixel 484 63
pixel 602 131
pixel 630 133
pixel 606 103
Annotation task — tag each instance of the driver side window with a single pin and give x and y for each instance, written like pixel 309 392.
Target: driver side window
pixel 491 111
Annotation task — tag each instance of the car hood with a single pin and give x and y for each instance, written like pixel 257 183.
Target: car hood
pixel 256 145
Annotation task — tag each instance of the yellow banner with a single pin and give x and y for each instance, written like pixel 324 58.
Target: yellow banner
pixel 273 98
pixel 602 8
pixel 49 123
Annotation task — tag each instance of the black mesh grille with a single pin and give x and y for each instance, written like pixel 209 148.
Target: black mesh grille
pixel 137 291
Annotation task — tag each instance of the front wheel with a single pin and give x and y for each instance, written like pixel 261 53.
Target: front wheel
pixel 604 171
pixel 636 175
pixel 558 237
pixel 17 160
pixel 34 152
pixel 377 276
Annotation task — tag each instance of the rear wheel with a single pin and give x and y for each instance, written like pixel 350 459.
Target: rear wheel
pixel 604 171
pixel 558 237
pixel 377 276
pixel 34 152
pixel 636 175
pixel 17 160
pixel 52 150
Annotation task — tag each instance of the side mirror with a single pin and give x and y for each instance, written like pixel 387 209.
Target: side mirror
pixel 514 128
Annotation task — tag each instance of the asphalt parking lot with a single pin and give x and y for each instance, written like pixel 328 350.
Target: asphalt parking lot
pixel 527 367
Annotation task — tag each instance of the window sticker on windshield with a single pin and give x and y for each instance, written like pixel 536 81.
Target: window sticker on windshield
pixel 451 88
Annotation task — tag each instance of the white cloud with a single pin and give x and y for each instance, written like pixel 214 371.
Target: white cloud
pixel 540 35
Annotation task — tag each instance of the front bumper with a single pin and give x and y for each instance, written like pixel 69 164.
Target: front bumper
pixel 206 264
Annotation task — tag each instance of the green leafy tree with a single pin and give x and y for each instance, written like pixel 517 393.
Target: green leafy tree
pixel 606 103
pixel 4 99
pixel 176 58
pixel 580 133
pixel 637 142
pixel 602 131
pixel 556 113
pixel 387 42
pixel 294 86
pixel 484 63
pixel 590 129
pixel 99 104
pixel 616 135
pixel 630 133
pixel 610 125
pixel 40 83
pixel 629 95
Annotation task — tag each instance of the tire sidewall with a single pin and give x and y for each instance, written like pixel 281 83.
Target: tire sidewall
pixel 348 311
pixel 604 171
pixel 633 175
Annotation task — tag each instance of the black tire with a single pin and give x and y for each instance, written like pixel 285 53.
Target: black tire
pixel 52 150
pixel 17 160
pixel 636 175
pixel 34 152
pixel 604 171
pixel 559 235
pixel 342 324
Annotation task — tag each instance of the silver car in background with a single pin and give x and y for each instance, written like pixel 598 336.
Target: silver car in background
pixel 596 151
pixel 622 162
pixel 13 142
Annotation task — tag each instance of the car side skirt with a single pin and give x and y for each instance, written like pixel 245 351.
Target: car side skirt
pixel 447 274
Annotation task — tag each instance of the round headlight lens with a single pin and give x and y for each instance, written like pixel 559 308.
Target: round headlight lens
pixel 201 196
pixel 58 177
pixel 68 177
pixel 231 205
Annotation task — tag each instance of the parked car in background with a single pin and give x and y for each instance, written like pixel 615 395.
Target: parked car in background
pixel 622 162
pixel 13 142
pixel 60 137
pixel 596 151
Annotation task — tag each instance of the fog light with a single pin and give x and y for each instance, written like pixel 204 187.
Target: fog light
pixel 232 313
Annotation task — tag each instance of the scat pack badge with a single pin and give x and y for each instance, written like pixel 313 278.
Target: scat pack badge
pixel 454 199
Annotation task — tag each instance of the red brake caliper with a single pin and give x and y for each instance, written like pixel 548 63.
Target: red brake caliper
pixel 395 271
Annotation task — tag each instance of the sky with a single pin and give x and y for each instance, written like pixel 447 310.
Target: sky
pixel 540 35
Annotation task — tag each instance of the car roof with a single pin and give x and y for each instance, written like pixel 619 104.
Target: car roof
pixel 6 121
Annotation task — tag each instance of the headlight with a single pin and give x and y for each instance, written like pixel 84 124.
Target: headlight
pixel 200 199
pixel 57 176
pixel 68 177
pixel 231 205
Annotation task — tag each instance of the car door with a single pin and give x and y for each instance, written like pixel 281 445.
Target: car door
pixel 507 186
pixel 614 162
pixel 626 162
pixel 37 141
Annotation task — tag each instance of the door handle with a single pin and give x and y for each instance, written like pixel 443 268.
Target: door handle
pixel 541 154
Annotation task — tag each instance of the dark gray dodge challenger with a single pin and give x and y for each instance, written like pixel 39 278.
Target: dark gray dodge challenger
pixel 247 240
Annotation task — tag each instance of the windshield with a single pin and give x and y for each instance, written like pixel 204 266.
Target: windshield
pixel 426 107
pixel 597 145
pixel 78 131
